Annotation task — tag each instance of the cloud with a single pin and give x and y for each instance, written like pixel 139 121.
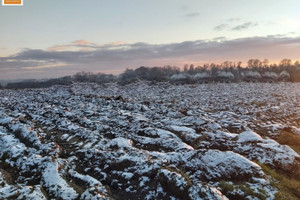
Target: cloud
pixel 184 7
pixel 74 46
pixel 117 56
pixel 59 48
pixel 220 39
pixel 85 45
pixel 230 25
pixel 233 19
pixel 46 66
pixel 82 42
pixel 243 26
pixel 220 27
pixel 194 14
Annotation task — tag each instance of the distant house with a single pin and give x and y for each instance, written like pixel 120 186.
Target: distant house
pixel 202 77
pixel 269 77
pixel 284 76
pixel 223 76
pixel 180 78
pixel 252 76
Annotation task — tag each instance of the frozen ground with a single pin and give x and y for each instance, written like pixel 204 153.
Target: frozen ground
pixel 144 141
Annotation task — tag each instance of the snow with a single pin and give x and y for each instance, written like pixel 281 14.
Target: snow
pixel 219 164
pixel 11 146
pixel 272 75
pixel 282 153
pixel 224 74
pixel 201 75
pixel 5 120
pixel 174 177
pixel 144 180
pixel 249 136
pixel 58 187
pixel 120 143
pixel 127 175
pixel 226 135
pixel 284 74
pixel 252 74
pixel 180 76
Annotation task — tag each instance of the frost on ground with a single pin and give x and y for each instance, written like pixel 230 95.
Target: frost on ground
pixel 144 141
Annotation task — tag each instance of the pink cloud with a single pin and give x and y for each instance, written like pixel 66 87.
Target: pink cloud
pixel 81 42
pixel 59 48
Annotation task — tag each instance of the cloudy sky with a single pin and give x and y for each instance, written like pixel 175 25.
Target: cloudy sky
pixel 53 38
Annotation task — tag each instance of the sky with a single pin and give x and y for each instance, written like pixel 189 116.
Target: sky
pixel 54 38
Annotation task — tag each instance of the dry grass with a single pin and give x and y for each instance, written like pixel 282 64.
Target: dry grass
pixel 288 188
pixel 290 139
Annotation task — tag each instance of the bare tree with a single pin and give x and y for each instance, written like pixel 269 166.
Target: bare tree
pixel 192 69
pixel 250 63
pixel 286 62
pixel 186 68
pixel 239 63
pixel 265 62
pixel 256 62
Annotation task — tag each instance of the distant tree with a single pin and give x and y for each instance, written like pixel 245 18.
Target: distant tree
pixel 30 83
pixel 143 73
pixel 191 69
pixel 209 66
pixel 285 62
pixel 273 66
pixel 170 70
pixel 250 63
pixel 83 76
pixel 156 74
pixel 127 77
pixel 256 63
pixel 104 78
pixel 186 68
pixel 199 69
pixel 255 67
pixel 227 64
pixel 265 62
pixel 66 80
pixel 214 70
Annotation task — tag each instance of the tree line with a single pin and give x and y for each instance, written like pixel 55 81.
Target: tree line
pixel 256 70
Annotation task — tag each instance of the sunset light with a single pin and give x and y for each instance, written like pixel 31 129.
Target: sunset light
pixel 163 33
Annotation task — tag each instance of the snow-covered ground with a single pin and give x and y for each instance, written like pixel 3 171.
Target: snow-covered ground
pixel 143 141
